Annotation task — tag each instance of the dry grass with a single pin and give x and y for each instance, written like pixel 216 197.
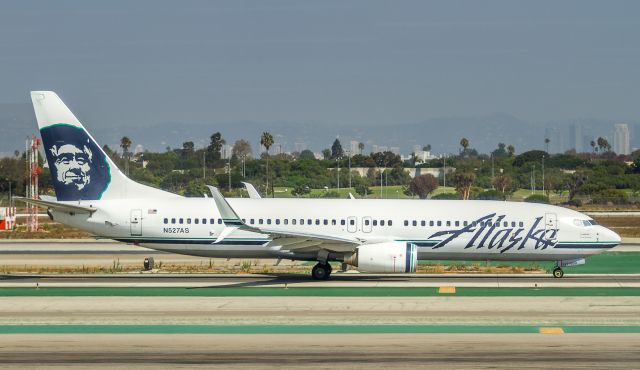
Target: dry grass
pixel 47 230
pixel 626 226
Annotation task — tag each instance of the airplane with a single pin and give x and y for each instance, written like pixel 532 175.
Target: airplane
pixel 374 235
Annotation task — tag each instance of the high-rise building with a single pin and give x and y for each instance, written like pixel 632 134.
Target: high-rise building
pixel 621 139
pixel 353 147
pixel 556 138
pixel 576 138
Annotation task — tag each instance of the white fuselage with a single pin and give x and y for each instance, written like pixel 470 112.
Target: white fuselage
pixel 440 229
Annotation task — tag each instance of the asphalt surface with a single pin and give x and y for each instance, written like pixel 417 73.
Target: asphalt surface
pixel 303 280
pixel 343 351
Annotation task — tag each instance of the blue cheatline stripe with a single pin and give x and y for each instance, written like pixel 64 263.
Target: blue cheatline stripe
pixel 585 245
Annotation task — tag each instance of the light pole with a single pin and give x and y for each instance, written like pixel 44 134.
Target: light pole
pixel 204 164
pixel 338 172
pixel 229 164
pixel 349 154
pixel 444 172
pixel 243 168
pixel 543 175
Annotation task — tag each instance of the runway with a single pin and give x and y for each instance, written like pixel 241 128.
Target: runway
pixel 287 320
pixel 354 280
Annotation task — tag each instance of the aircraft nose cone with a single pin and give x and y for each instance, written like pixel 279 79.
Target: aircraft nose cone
pixel 611 236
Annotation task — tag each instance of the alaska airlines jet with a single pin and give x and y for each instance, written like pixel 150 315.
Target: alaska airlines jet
pixel 375 235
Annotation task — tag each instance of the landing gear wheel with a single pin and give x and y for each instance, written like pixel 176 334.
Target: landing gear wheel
pixel 558 273
pixel 321 271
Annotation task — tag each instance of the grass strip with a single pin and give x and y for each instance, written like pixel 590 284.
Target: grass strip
pixel 310 292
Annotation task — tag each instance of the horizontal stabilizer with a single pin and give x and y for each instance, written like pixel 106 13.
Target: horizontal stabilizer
pixel 63 207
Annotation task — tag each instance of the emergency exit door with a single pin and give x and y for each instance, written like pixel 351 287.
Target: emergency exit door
pixel 136 222
pixel 550 225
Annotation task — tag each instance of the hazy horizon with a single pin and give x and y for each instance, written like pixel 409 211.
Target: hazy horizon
pixel 333 63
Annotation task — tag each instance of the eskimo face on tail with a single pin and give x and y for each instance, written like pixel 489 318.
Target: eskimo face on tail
pixel 78 167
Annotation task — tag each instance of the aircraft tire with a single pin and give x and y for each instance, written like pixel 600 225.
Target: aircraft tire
pixel 321 271
pixel 558 273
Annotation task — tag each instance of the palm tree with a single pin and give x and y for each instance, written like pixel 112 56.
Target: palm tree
pixel 125 144
pixel 511 150
pixel 464 143
pixel 361 147
pixel 546 144
pixel 266 140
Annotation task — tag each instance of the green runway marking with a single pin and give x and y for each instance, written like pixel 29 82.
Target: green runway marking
pixel 312 292
pixel 297 329
pixel 605 263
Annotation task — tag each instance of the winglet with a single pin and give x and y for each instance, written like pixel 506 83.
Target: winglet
pixel 253 193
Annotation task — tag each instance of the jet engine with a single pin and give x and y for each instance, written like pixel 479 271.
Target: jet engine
pixel 389 257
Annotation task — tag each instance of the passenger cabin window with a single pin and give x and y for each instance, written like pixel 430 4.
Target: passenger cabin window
pixel 521 224
pixel 181 221
pixel 390 223
pixel 293 221
pixel 166 221
pixel 196 221
pixel 381 222
pixel 326 222
pixel 212 221
pixel 457 223
pixel 219 221
pixel 423 223
pixel 204 221
pixel 414 223
pixel 439 223
pixel 268 221
pixel 431 223
pixel 366 222
pixel 406 223
pixel 173 220
pixel 513 224
pixel 317 221
pixel 286 221
pixel 342 222
pixel 333 222
pixel 260 221
pixel 277 221
pixel 352 222
pixel 188 221
pixel 465 223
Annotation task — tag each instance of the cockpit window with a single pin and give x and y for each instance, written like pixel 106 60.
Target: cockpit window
pixel 583 223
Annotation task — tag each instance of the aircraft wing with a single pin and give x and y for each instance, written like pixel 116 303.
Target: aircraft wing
pixel 63 207
pixel 289 240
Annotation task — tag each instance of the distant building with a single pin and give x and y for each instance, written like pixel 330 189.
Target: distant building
pixel 576 138
pixel 621 139
pixel 226 150
pixel 556 140
pixel 353 147
pixel 299 147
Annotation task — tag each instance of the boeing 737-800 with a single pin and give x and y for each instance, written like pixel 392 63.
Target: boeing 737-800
pixel 375 235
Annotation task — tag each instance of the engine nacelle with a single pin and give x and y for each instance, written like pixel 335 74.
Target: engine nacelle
pixel 389 257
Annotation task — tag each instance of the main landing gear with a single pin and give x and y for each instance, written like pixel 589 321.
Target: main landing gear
pixel 321 271
pixel 558 273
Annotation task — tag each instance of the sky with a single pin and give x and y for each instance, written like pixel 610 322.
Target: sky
pixel 327 62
